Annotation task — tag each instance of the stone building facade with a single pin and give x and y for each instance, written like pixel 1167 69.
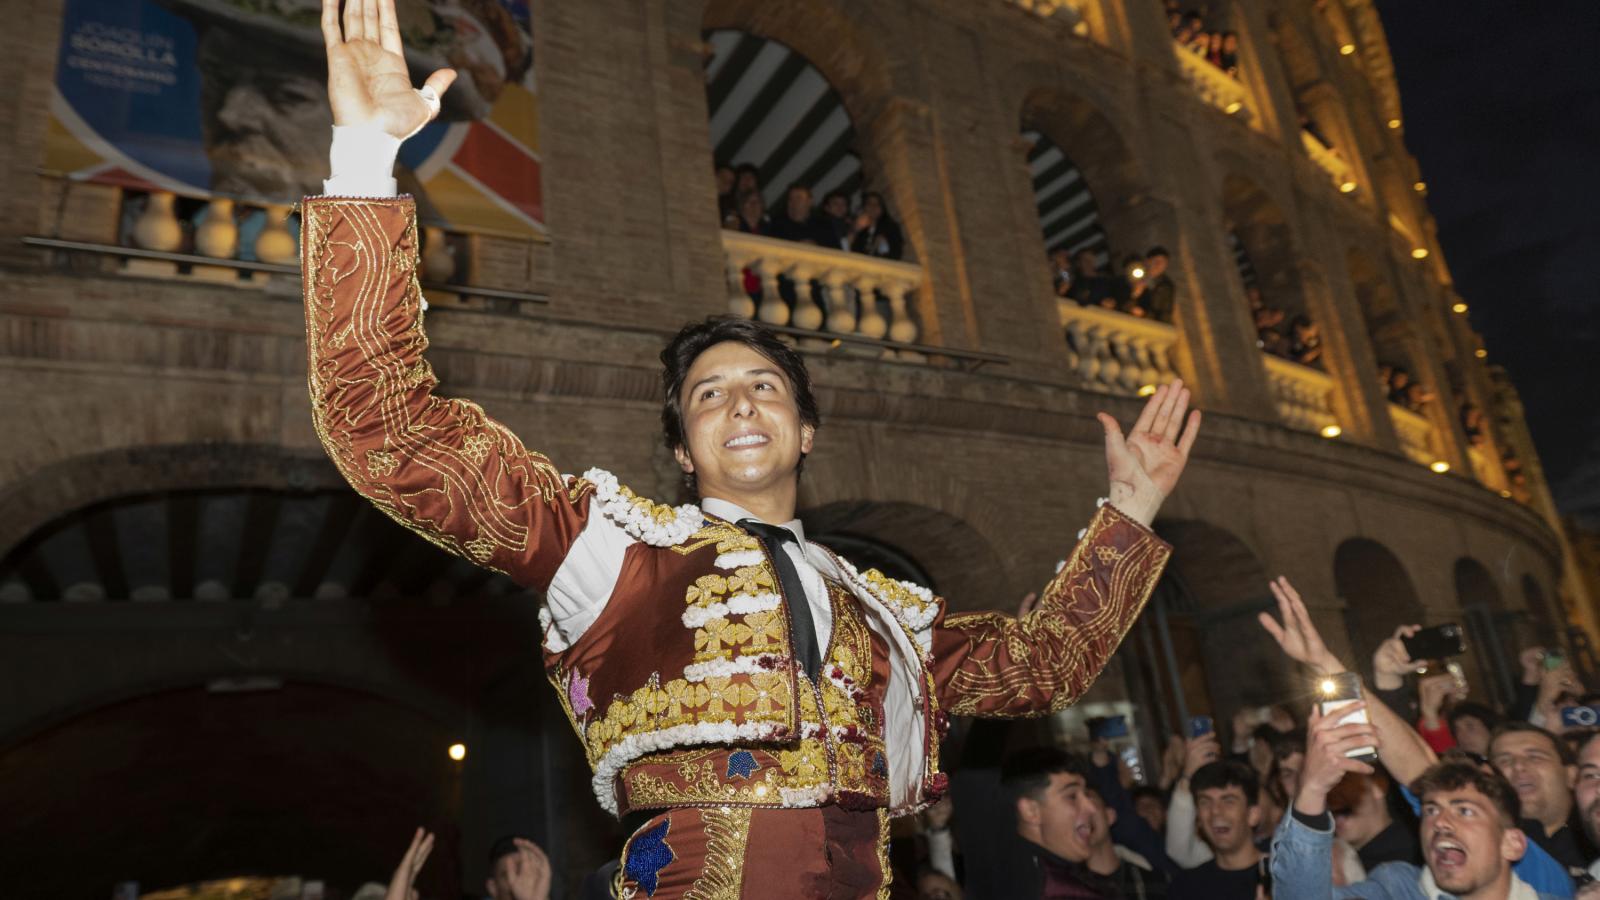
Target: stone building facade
pixel 193 598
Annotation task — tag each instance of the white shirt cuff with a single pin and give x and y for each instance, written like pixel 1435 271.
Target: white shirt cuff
pixel 361 162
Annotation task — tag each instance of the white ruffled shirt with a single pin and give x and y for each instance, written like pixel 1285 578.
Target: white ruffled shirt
pixel 586 578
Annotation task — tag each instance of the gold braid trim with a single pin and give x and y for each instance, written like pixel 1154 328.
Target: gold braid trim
pixel 727 830
pixel 1049 648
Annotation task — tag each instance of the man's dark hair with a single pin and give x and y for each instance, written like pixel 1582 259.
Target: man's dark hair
pixel 1026 773
pixel 1157 250
pixel 798 186
pixel 836 193
pixel 744 167
pixel 724 164
pixel 1287 743
pixel 1452 776
pixel 1583 741
pixel 504 846
pixel 1148 790
pixel 1515 726
pixel 698 337
pixel 1227 773
pixel 1470 710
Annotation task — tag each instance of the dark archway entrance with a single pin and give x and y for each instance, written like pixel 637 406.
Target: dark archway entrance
pixel 1378 595
pixel 1486 616
pixel 288 779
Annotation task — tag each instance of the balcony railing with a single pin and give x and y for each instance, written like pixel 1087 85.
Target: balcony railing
pixel 1214 86
pixel 1115 352
pixel 1483 467
pixel 1068 12
pixel 220 241
pixel 834 294
pixel 1304 396
pixel 1415 433
pixel 1326 159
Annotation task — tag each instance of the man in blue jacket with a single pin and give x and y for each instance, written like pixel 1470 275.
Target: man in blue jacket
pixel 1469 836
pixel 1472 849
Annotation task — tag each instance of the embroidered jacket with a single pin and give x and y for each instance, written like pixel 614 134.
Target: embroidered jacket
pixel 683 688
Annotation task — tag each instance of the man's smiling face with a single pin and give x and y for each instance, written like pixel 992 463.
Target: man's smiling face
pixel 741 426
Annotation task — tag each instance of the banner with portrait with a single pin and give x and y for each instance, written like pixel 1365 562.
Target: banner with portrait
pixel 228 98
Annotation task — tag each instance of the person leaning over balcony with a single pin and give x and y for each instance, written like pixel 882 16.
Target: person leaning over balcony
pixel 1230 53
pixel 1155 302
pixel 875 232
pixel 835 217
pixel 1305 341
pixel 727 200
pixel 1061 271
pixel 749 700
pixel 797 221
pixel 1090 286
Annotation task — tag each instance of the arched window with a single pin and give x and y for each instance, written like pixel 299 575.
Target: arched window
pixel 1485 613
pixel 1377 592
pixel 772 109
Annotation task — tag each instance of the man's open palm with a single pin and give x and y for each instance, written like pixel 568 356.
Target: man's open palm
pixel 1144 466
pixel 368 83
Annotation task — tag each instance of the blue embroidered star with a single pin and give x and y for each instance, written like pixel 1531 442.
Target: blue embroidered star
pixel 880 766
pixel 648 854
pixel 741 764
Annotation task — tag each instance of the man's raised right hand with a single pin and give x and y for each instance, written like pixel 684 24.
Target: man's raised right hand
pixel 368 83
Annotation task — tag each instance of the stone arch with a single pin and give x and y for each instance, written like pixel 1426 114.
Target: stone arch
pixel 239 543
pixel 954 557
pixel 1205 607
pixel 1378 594
pixel 303 779
pixel 1266 238
pixel 1092 166
pixel 1543 620
pixel 1321 111
pixel 1486 616
pixel 771 108
pixel 35 498
pixel 837 39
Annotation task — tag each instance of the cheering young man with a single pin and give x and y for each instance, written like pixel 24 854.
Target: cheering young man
pixel 756 701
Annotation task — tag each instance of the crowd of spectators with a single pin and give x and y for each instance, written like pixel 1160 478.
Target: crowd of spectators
pixel 867 229
pixel 1405 391
pixel 1296 338
pixel 1139 287
pixel 1431 796
pixel 1220 48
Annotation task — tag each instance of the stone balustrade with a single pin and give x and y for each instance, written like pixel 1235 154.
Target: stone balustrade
pixel 1069 12
pixel 1304 396
pixel 1329 161
pixel 1115 352
pixel 1483 468
pixel 159 234
pixel 834 292
pixel 1215 86
pixel 1415 433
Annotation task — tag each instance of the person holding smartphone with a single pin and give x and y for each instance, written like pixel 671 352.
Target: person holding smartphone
pixel 1302 846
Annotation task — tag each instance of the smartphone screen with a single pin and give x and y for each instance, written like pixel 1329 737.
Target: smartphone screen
pixel 1200 725
pixel 1338 691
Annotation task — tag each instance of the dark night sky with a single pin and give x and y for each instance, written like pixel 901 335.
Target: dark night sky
pixel 1501 104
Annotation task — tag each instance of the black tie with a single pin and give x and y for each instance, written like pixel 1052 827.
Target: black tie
pixel 802 630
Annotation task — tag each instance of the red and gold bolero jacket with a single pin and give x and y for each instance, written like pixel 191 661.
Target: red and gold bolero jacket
pixel 683 689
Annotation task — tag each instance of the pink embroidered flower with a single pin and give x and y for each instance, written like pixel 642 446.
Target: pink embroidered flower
pixel 578 694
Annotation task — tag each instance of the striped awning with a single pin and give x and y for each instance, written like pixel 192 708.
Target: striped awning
pixel 1067 213
pixel 772 108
